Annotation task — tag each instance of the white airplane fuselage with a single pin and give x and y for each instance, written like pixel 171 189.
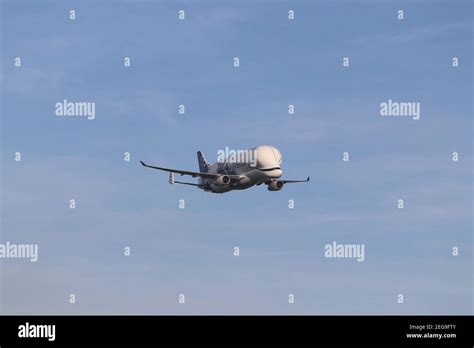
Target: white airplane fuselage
pixel 265 168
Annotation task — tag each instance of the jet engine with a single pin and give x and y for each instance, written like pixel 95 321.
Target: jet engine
pixel 275 185
pixel 222 180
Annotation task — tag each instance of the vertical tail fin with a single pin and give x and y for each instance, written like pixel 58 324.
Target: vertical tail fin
pixel 203 165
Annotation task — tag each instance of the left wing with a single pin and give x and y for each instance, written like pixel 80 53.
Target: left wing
pixel 292 181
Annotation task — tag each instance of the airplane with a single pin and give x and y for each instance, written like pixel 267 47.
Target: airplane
pixel 226 176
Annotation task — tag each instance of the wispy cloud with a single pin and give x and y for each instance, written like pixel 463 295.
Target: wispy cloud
pixel 421 33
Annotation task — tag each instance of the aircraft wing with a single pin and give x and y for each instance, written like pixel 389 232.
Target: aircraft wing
pixel 193 174
pixel 292 181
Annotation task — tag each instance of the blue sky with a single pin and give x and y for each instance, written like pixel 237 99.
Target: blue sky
pixel 190 250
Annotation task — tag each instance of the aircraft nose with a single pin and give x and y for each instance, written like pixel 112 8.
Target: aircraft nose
pixel 276 173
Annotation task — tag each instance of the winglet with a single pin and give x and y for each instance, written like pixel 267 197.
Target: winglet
pixel 143 164
pixel 307 179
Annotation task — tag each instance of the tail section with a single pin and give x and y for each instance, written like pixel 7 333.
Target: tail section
pixel 203 165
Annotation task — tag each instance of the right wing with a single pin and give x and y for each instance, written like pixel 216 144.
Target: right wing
pixel 193 174
pixel 173 181
pixel 188 183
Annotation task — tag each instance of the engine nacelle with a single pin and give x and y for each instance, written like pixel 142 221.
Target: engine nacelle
pixel 222 180
pixel 275 185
